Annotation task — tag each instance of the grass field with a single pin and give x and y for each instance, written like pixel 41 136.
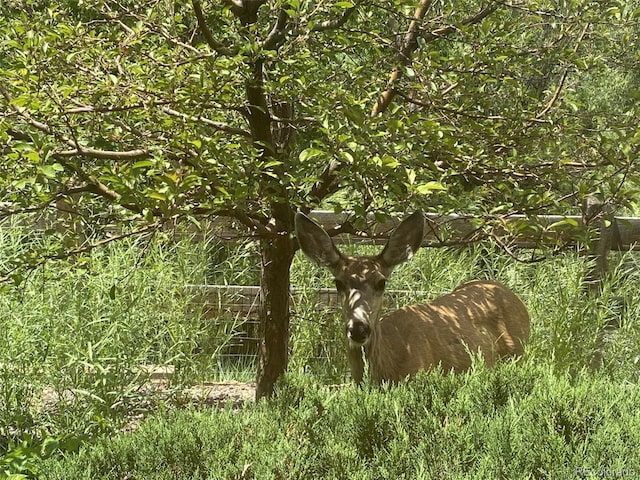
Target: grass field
pixel 74 335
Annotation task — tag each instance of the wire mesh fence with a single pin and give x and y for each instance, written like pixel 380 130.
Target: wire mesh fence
pixel 316 330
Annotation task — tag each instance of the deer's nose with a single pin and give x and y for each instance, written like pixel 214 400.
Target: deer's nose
pixel 358 332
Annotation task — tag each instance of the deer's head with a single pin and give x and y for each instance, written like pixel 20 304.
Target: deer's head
pixel 361 280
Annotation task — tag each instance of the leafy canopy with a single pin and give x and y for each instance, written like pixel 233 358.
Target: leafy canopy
pixel 119 111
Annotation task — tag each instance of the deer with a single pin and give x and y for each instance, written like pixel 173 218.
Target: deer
pixel 480 317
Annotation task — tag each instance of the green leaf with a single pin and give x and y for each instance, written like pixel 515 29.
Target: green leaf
pixel 143 164
pixel 389 162
pixel 564 222
pixel 32 155
pixel 347 156
pixel 223 191
pixel 309 153
pixel 272 163
pixel 157 196
pixel 429 187
pixel 50 171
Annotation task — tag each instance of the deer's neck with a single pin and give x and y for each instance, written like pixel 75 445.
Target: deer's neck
pixel 383 360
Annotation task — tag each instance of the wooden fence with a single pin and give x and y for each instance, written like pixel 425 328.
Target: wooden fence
pixel 456 229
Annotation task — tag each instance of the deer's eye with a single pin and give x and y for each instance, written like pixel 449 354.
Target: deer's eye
pixel 381 284
pixel 340 286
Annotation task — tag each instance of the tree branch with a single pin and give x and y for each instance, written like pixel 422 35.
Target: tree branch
pixel 87 248
pixel 81 108
pixel 253 222
pixel 223 127
pixel 335 23
pixel 103 154
pixel 462 113
pixel 258 112
pixel 449 29
pixel 8 212
pixel 326 185
pixel 245 10
pixel 410 44
pixel 563 78
pixel 94 185
pixel 76 148
pixel 278 32
pixel 216 46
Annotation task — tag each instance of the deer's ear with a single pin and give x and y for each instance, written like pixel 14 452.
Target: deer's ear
pixel 315 242
pixel 404 241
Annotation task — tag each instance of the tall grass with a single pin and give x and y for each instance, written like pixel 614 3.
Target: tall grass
pixel 567 320
pixel 73 335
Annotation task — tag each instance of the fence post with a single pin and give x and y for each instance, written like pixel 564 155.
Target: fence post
pixel 607 236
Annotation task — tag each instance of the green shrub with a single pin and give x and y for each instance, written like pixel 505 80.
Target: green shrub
pixel 511 422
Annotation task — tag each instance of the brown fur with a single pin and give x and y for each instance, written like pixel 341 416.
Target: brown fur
pixel 482 316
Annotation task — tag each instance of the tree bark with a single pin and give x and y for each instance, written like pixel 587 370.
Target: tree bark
pixel 276 255
pixel 276 248
pixel 409 44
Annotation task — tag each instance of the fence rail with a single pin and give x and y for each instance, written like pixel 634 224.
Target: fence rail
pixel 242 303
pixel 246 299
pixel 456 228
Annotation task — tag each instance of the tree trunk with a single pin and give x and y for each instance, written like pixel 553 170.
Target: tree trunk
pixel 276 249
pixel 276 255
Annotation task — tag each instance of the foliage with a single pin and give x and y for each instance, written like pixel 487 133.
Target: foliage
pixel 73 337
pixel 22 461
pixel 510 422
pixel 116 111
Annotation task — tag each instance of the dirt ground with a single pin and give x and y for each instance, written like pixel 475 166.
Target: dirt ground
pixel 222 393
pixel 157 390
pixel 208 393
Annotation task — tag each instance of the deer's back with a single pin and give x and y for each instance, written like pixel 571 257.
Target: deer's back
pixel 480 316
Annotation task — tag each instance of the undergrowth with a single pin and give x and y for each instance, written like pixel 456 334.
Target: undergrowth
pixel 513 422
